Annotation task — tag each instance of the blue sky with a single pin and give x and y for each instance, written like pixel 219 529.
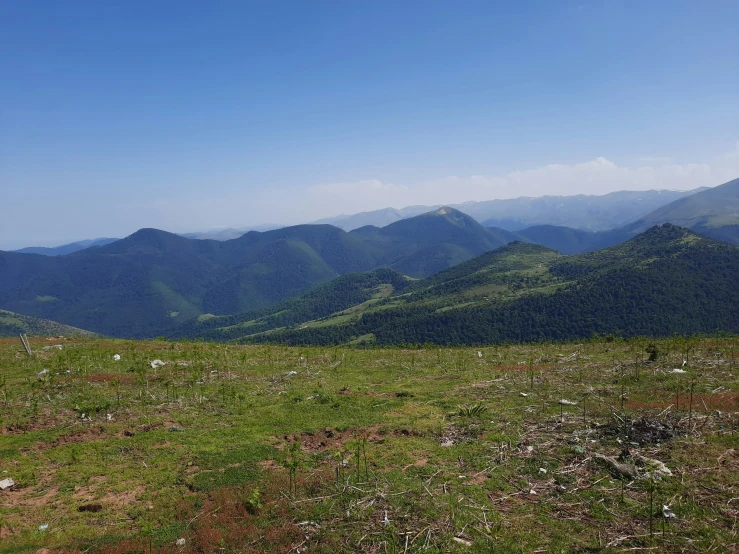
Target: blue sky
pixel 190 115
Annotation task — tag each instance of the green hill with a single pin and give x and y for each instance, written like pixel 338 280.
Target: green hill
pixel 12 324
pixel 667 280
pixel 428 243
pixel 152 282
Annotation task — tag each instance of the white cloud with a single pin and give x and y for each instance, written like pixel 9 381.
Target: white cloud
pixel 598 176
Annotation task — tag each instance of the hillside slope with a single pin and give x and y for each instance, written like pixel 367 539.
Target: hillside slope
pixel 713 212
pixel 667 280
pixel 152 281
pixel 12 324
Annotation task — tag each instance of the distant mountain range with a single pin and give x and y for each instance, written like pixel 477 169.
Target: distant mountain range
pixel 583 212
pixel 65 248
pixel 666 280
pixel 152 282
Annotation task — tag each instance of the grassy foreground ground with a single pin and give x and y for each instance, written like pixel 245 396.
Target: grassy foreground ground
pixel 222 448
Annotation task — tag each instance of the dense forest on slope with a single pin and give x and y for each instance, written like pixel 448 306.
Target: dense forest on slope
pixel 151 282
pixel 664 281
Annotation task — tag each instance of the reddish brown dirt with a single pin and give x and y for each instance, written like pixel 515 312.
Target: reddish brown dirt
pixel 725 401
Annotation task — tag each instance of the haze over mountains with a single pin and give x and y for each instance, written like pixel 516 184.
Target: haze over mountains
pixel 582 212
pixel 586 212
pixel 152 282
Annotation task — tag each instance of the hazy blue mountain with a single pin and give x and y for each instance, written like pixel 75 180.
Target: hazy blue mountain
pixel 586 212
pixel 65 248
pixel 712 212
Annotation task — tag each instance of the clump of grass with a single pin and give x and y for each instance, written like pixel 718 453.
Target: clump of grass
pixel 472 410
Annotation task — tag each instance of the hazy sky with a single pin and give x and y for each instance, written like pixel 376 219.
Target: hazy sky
pixel 195 115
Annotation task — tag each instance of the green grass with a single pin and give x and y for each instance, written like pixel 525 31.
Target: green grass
pixel 391 450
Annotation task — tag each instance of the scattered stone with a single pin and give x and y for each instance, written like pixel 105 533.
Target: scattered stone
pixel 678 370
pixel 565 402
pixel 619 468
pixel 156 363
pixel 43 527
pixel 6 484
pixel 180 542
pixel 479 354
pixel 117 357
pixel 542 471
pixel 291 373
pixel 654 468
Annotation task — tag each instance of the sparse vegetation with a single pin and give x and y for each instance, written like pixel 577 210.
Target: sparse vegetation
pixel 275 449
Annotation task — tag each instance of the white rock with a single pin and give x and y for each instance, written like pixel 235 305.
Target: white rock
pixel 566 402
pixel 6 484
pixel 678 370
pixel 543 471
pixel 180 542
pixel 479 354
pixel 42 372
pixel 156 363
pixel 667 513
pixel 524 394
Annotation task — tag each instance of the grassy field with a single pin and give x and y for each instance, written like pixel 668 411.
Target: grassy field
pixel 224 448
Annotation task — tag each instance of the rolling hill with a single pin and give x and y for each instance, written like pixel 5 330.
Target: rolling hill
pixel 152 281
pixel 12 324
pixel 666 280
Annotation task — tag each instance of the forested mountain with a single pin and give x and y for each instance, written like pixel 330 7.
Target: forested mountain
pixel 664 281
pixel 428 243
pixel 152 281
pixel 585 212
pixel 12 325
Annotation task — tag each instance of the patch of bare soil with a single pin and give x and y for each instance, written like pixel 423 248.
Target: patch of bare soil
pixel 724 401
pixel 330 439
pixel 641 431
